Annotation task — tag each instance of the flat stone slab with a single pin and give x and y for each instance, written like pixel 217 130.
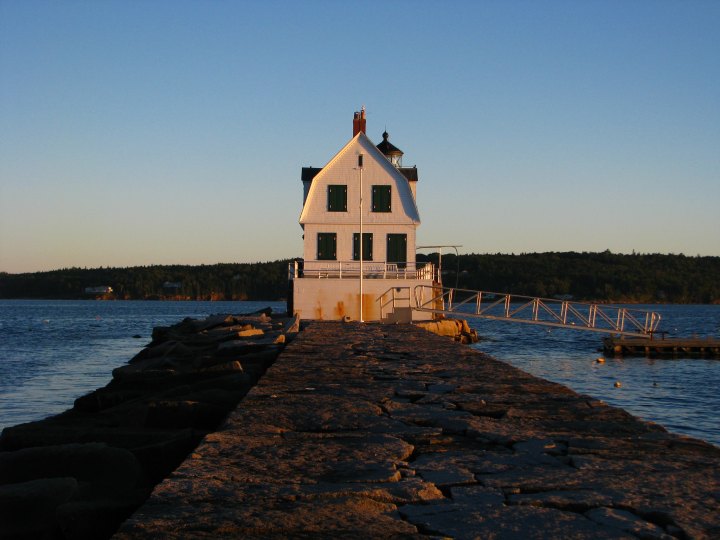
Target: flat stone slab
pixel 378 431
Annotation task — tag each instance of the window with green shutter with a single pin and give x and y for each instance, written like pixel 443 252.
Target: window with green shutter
pixel 326 246
pixel 397 249
pixel 367 246
pixel 381 199
pixel 337 198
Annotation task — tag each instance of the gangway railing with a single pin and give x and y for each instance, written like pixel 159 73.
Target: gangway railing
pixel 541 311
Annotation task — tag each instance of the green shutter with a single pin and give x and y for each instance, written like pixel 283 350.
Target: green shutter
pixel 367 246
pixel 326 246
pixel 337 198
pixel 397 249
pixel 381 198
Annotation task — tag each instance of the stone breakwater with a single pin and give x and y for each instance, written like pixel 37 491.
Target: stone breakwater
pixel 78 475
pixel 372 431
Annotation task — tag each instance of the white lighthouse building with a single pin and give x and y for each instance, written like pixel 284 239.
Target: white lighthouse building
pixel 359 219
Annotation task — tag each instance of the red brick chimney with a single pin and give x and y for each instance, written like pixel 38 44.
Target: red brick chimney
pixel 359 121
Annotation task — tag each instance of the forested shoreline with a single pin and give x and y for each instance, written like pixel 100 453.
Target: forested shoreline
pixel 602 277
pixel 228 281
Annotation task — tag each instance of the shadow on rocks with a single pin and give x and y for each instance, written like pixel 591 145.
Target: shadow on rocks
pixel 79 474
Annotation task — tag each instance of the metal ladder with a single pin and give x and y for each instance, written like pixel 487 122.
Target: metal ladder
pixel 541 311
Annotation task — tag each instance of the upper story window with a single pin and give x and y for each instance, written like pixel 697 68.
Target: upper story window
pixel 381 198
pixel 337 198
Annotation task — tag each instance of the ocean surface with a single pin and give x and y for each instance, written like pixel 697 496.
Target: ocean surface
pixel 53 351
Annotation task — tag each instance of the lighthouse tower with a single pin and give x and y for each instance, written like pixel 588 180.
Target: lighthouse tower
pixel 359 219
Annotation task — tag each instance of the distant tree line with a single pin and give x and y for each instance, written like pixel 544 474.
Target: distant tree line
pixel 249 281
pixel 603 277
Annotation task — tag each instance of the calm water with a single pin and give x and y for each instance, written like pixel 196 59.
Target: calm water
pixel 51 352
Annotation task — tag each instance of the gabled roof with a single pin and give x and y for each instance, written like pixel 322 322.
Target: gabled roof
pixel 308 173
pixel 371 152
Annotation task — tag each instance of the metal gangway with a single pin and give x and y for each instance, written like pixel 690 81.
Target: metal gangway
pixel 541 311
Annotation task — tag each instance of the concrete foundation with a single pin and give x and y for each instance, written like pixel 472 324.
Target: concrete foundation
pixel 330 299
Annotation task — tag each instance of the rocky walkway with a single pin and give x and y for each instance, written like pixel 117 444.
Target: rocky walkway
pixel 389 431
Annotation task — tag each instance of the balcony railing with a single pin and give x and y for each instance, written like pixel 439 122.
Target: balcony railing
pixel 351 270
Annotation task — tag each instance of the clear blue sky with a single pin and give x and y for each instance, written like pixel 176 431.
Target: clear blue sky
pixel 166 131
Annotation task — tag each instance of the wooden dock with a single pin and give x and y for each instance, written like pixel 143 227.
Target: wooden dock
pixel 694 347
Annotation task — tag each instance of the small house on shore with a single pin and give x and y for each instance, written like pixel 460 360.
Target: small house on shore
pixel 359 218
pixel 101 289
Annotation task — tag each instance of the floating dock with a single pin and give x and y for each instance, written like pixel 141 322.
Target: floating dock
pixel 389 431
pixel 693 347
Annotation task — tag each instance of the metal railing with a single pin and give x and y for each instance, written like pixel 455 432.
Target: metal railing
pixel 351 270
pixel 541 311
pixel 393 298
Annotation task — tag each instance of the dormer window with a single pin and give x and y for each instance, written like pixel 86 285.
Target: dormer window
pixel 337 198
